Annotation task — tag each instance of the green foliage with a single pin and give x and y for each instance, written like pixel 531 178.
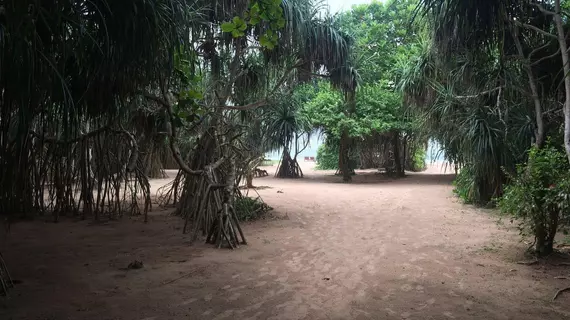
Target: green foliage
pixel 538 197
pixel 267 12
pixel 464 185
pixel 383 33
pixel 419 159
pixel 472 128
pixel 327 157
pixel 286 124
pixel 325 109
pixel 473 83
pixel 236 27
pixel 250 209
pixel 188 106
pixel 378 110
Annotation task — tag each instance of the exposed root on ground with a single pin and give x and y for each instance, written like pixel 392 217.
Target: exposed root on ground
pixel 560 292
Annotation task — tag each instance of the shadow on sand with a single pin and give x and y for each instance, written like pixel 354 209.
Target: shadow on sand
pixel 368 177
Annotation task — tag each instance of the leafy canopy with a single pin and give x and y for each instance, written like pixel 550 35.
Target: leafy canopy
pixel 378 110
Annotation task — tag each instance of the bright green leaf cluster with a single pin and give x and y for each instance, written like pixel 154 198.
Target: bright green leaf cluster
pixel 187 107
pixel 237 27
pixel 378 110
pixel 266 12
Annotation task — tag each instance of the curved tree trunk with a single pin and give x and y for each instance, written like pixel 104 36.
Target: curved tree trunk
pixel 198 204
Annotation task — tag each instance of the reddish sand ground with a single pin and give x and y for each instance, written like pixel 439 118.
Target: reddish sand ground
pixel 373 249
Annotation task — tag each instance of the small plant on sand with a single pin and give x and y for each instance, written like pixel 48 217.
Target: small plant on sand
pixel 464 185
pixel 250 209
pixel 538 197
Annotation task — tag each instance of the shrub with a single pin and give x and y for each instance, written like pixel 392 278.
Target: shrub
pixel 538 197
pixel 419 159
pixel 464 184
pixel 250 209
pixel 327 157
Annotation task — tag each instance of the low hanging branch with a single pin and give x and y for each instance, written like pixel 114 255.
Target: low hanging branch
pixel 266 101
pixel 82 138
pixel 479 94
pixel 131 165
pixel 172 133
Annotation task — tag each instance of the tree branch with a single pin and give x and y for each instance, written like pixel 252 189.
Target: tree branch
pixel 479 94
pixel 250 106
pixel 171 129
pixel 528 26
pixel 307 141
pixel 543 9
pixel 156 99
pixel 284 77
pixel 81 138
pixel 537 49
pixel 131 165
pixel 539 134
pixel 546 58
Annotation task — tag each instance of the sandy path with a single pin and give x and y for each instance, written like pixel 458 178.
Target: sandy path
pixel 374 249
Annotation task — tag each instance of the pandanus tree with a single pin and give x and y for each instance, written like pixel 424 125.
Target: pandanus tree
pixel 90 89
pixel 492 85
pixel 288 131
pixel 494 51
pixel 532 31
pixel 290 42
pixel 70 74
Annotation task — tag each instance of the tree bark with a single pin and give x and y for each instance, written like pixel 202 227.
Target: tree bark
pixel 249 180
pixel 396 150
pixel 344 157
pixel 405 153
pixel 539 133
pixel 566 68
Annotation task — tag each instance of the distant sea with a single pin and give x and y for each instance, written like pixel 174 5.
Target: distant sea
pixel 434 152
pixel 311 151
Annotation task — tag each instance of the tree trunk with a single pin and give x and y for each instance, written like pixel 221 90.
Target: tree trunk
pixel 540 237
pixel 249 180
pixel 566 66
pixel 345 143
pixel 404 154
pixel 344 157
pixel 396 150
pixel 539 133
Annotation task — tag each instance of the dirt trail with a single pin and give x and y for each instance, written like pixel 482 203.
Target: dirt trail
pixel 374 249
